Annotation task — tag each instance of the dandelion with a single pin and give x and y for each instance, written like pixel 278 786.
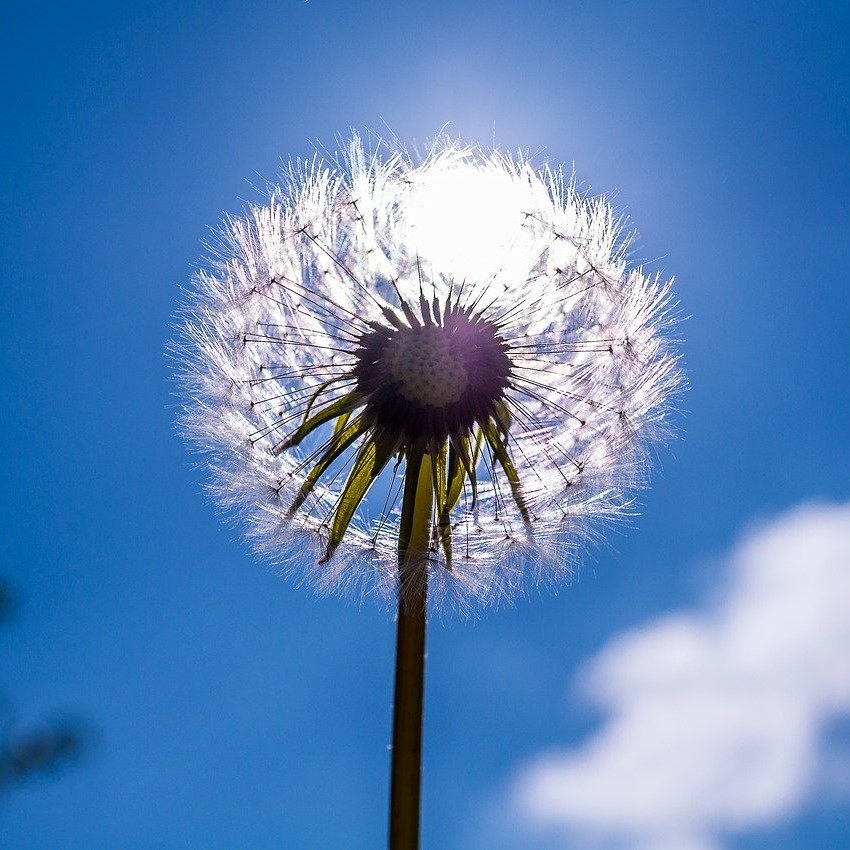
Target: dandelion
pixel 457 336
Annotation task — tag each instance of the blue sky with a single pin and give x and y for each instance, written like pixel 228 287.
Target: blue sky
pixel 235 709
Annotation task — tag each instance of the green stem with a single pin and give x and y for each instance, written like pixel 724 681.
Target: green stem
pixel 414 540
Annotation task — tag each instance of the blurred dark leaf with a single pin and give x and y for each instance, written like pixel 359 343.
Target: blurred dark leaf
pixel 32 747
pixel 35 746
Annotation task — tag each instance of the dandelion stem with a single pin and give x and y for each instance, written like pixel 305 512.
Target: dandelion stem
pixel 414 538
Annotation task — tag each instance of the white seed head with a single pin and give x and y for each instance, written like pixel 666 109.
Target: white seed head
pixel 464 302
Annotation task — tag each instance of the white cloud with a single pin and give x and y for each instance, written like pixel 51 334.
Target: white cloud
pixel 714 717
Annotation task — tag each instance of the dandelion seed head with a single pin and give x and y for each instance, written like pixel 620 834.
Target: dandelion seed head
pixel 464 304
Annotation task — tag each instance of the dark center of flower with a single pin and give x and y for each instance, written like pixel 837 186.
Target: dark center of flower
pixel 432 379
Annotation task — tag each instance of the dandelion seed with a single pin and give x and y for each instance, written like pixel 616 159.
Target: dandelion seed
pixel 462 334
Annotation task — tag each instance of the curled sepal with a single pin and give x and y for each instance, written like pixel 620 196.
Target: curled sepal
pixel 496 439
pixel 463 458
pixel 342 438
pixel 443 530
pixel 368 465
pixel 341 422
pixel 417 507
pixel 502 416
pixel 345 404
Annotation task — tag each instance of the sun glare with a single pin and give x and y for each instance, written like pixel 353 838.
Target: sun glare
pixel 468 219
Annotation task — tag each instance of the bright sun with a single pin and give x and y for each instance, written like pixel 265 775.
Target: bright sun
pixel 468 218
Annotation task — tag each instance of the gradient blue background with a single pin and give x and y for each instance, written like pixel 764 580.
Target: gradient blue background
pixel 236 710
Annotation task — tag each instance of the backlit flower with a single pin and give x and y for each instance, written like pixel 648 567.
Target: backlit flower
pixel 466 307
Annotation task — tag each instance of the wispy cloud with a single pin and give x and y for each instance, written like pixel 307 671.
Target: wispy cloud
pixel 715 717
